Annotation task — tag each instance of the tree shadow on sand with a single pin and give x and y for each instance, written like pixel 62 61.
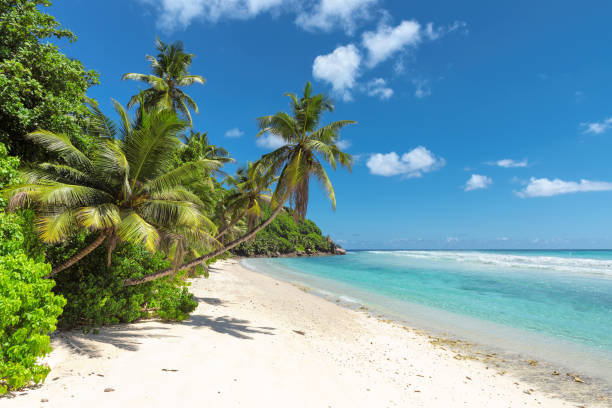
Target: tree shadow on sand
pixel 126 337
pixel 227 325
pixel 210 301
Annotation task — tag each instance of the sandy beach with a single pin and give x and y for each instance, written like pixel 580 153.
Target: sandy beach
pixel 254 341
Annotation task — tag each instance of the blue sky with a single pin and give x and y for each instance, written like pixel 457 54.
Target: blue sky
pixel 480 124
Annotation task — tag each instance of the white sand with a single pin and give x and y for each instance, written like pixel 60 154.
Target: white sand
pixel 239 349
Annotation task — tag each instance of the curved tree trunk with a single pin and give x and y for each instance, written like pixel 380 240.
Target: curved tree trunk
pixel 202 259
pixel 231 224
pixel 84 252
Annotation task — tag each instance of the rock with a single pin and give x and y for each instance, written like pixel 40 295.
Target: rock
pixel 44 400
pixel 109 389
pixel 340 251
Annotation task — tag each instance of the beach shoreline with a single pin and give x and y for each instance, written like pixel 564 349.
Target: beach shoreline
pixel 258 341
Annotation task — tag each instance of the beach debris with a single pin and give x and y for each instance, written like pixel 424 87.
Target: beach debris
pixel 299 332
pixel 578 379
pixel 468 378
pixel 44 400
pixel 555 372
pixel 417 391
pixel 532 363
pixel 100 375
pixel 169 369
pixel 56 378
pixel 527 392
pixel 109 389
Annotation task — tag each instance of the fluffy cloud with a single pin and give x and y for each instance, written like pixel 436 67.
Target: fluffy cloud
pixel 323 15
pixel 378 87
pixel 270 141
pixel 386 40
pixel 597 127
pixel 176 14
pixel 340 69
pixel 329 14
pixel 544 187
pixel 409 165
pixel 509 163
pixel 234 133
pixel 477 182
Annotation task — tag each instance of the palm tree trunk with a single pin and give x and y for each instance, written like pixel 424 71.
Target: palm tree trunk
pixel 231 224
pixel 204 258
pixel 84 252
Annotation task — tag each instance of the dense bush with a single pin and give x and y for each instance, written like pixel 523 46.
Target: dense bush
pixel 96 294
pixel 28 307
pixel 285 236
pixel 40 88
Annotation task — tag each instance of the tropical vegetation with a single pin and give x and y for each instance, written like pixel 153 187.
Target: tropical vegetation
pixel 102 221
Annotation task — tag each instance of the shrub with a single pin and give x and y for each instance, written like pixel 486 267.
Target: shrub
pixel 96 295
pixel 28 309
pixel 284 235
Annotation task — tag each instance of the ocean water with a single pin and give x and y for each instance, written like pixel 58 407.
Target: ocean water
pixel 556 305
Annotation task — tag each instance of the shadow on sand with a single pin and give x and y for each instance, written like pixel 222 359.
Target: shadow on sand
pixel 227 325
pixel 128 336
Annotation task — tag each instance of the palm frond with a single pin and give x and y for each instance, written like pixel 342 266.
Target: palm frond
pixel 98 217
pixel 134 229
pixel 55 227
pixel 60 145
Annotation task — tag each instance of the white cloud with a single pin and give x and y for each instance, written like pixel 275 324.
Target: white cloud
pixel 502 238
pixel 178 14
pixel 544 187
pixel 477 182
pixel 340 69
pixel 509 163
pixel 323 15
pixel 343 144
pixel 386 40
pixel 270 141
pixel 409 165
pixel 452 239
pixel 378 87
pixel 597 127
pixel 234 133
pixel 330 14
pixel 422 88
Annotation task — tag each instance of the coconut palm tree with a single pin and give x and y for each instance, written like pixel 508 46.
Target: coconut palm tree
pixel 250 194
pixel 170 72
pixel 126 190
pixel 306 146
pixel 197 146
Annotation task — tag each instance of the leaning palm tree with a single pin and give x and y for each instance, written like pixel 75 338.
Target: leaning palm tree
pixel 125 190
pixel 250 194
pixel 306 146
pixel 170 72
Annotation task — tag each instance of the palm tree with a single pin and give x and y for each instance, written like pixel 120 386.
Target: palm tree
pixel 306 145
pixel 125 190
pixel 197 146
pixel 170 72
pixel 251 192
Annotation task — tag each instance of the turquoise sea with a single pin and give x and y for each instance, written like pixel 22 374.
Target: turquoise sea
pixel 556 305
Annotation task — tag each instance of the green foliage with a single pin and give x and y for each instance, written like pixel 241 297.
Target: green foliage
pixel 96 295
pixel 8 171
pixel 39 86
pixel 284 235
pixel 28 307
